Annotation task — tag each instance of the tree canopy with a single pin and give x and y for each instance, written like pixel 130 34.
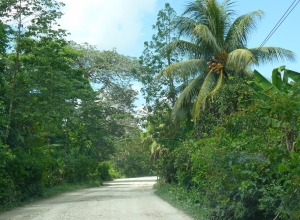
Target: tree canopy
pixel 215 45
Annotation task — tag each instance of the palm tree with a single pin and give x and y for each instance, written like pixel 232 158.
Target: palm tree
pixel 216 47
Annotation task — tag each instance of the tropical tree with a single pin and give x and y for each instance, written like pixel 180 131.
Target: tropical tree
pixel 215 47
pixel 280 101
pixel 156 57
pixel 28 18
pixel 104 67
pixel 3 37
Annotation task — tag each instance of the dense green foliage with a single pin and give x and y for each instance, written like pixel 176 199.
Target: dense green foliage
pixel 241 168
pixel 239 158
pixel 55 129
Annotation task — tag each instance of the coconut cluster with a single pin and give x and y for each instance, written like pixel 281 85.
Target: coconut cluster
pixel 217 62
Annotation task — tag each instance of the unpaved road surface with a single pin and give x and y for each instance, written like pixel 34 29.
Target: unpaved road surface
pixel 127 199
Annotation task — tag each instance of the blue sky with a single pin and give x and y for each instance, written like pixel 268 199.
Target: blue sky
pixel 127 24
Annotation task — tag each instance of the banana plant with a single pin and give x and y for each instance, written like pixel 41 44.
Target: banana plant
pixel 265 90
pixel 284 85
pixel 279 84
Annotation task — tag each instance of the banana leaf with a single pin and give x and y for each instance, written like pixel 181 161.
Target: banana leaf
pixel 295 76
pixel 276 77
pixel 267 86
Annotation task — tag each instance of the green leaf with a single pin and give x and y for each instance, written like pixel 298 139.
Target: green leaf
pixel 220 82
pixel 267 54
pixel 183 69
pixel 247 103
pixel 184 100
pixel 206 88
pixel 276 78
pixel 240 59
pixel 264 97
pixel 295 76
pixel 206 35
pixel 255 86
pixel 242 28
pixel 283 168
pixel 272 122
pixel 267 86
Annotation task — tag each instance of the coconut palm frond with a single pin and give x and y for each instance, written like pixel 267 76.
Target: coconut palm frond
pixel 220 82
pixel 147 141
pixel 181 87
pixel 226 5
pixel 185 26
pixel 272 54
pixel 189 92
pixel 153 147
pixel 184 100
pixel 207 87
pixel 240 58
pixel 185 47
pixel 184 69
pixel 156 150
pixel 206 36
pixel 196 10
pixel 169 142
pixel 241 29
pixel 218 21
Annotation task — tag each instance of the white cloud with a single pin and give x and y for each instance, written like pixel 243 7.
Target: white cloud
pixel 107 23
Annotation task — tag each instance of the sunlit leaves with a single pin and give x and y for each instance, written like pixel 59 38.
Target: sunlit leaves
pixel 211 31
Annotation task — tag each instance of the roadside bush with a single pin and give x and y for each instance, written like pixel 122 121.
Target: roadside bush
pixel 167 170
pixel 247 173
pixel 6 181
pixel 77 168
pixel 104 170
pixel 243 170
pixel 221 105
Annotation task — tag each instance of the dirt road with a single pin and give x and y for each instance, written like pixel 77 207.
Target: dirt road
pixel 120 199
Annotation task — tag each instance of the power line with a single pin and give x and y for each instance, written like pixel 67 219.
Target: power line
pixel 278 24
pixel 281 20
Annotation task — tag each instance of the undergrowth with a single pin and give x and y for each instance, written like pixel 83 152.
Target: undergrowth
pixel 181 198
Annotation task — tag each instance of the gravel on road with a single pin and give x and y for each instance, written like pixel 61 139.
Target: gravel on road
pixel 128 199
